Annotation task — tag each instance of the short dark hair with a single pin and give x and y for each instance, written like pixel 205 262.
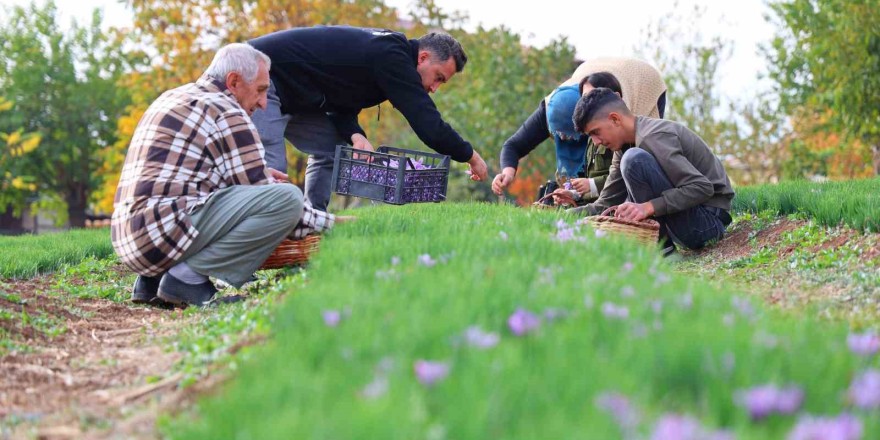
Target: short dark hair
pixel 598 103
pixel 601 79
pixel 443 46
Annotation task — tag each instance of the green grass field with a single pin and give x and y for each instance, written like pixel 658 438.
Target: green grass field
pixel 855 203
pixel 29 255
pixel 614 318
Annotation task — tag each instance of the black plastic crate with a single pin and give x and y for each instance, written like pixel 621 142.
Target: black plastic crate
pixel 391 175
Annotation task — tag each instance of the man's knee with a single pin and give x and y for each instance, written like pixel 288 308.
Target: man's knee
pixel 287 201
pixel 634 161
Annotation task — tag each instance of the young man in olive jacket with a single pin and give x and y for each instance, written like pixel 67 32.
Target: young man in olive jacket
pixel 323 76
pixel 667 171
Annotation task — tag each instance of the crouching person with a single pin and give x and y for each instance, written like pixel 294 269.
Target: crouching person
pixel 194 198
pixel 667 172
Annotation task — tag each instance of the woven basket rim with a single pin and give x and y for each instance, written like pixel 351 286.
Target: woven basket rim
pixel 649 224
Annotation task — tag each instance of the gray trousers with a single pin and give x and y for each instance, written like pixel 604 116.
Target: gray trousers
pixel 310 132
pixel 239 227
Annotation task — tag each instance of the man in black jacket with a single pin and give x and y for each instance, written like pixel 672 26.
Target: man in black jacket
pixel 323 76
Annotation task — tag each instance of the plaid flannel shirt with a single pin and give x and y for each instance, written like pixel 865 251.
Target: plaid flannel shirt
pixel 191 142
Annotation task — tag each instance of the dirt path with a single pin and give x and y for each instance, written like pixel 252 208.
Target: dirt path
pixel 786 262
pixel 109 369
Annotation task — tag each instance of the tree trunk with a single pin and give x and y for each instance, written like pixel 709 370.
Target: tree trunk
pixel 76 207
pixel 9 223
pixel 876 151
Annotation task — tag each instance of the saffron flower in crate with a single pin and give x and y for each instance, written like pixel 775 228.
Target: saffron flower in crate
pixel 429 373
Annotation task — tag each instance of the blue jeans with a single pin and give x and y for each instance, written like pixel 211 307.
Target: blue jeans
pixel 645 180
pixel 310 132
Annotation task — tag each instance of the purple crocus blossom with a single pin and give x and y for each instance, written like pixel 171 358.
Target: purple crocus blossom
pixel 842 427
pixel 600 233
pixel 611 310
pixel 624 413
pixel 627 292
pixel 395 261
pixel 426 260
pixel 864 344
pixel 429 373
pixel 677 427
pixel 768 399
pixel 864 392
pixel 627 267
pixel 375 389
pixel 554 313
pixel 332 317
pixel 476 337
pixel 522 321
pixel 503 235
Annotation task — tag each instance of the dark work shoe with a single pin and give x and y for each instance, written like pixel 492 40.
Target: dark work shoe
pixel 145 291
pixel 179 293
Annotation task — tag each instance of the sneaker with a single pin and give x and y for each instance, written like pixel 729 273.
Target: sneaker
pixel 145 291
pixel 182 294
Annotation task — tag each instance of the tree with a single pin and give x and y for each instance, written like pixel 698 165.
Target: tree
pixel 64 87
pixel 825 60
pixel 181 36
pixel 748 136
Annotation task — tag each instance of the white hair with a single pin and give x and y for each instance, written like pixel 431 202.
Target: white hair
pixel 237 57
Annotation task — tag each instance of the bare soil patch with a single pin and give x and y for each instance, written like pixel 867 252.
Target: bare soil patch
pixel 110 360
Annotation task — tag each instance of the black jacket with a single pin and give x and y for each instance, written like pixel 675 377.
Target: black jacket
pixel 341 70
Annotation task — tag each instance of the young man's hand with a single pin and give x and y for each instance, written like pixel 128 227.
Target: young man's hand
pixel 479 171
pixel 503 180
pixel 633 211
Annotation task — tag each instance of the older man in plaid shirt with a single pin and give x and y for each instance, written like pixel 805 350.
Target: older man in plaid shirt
pixel 194 199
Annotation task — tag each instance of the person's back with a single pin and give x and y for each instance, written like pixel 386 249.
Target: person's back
pixel 331 67
pixel 664 139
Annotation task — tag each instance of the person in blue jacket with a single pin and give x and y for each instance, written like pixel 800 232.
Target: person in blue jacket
pixel 323 76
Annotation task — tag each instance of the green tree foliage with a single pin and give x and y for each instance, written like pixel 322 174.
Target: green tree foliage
pixel 825 60
pixel 748 135
pixel 17 181
pixel 63 83
pixel 502 84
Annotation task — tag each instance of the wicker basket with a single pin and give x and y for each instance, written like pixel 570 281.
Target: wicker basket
pixel 292 252
pixel 644 231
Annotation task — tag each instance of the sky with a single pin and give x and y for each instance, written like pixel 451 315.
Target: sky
pixel 594 28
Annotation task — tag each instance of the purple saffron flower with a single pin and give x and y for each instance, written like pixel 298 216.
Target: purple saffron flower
pixel 332 317
pixel 522 321
pixel 864 392
pixel 375 389
pixel 768 399
pixel 657 306
pixel 842 427
pixel 395 261
pixel 627 267
pixel 426 260
pixel 676 427
pixel 553 313
pixel 503 235
pixel 624 413
pixel 611 310
pixel 600 233
pixel 429 373
pixel 476 337
pixel 564 235
pixel 627 292
pixel 865 344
